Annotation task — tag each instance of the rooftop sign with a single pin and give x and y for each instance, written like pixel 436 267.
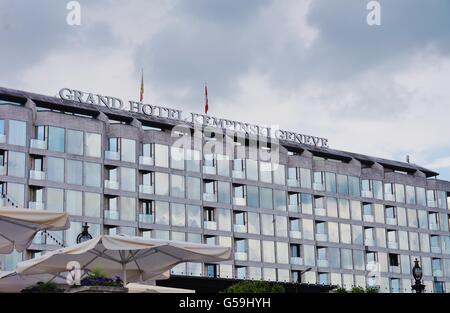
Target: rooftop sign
pixel 198 119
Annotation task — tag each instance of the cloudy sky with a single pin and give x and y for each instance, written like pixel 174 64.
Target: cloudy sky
pixel 311 66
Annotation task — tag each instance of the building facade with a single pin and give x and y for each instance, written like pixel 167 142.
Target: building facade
pixel 318 215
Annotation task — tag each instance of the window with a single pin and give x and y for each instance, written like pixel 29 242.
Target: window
pixel 253 223
pixel 128 179
pixel 74 142
pixel 266 198
pixel 74 172
pixel 92 204
pixel 400 193
pixel 177 158
pixel 161 213
pixel 177 215
pixel 305 178
pixel 319 181
pixel 161 155
pixel 438 287
pixel 192 160
pixel 74 202
pixel 224 216
pixel 127 209
pixel 93 146
pixel 252 196
pixel 16 164
pixel 92 174
pixel 279 174
pixel 410 195
pixel 55 169
pixel 421 196
pixel 17 133
pixel 265 172
pixel 147 150
pixel 193 216
pixel 267 224
pixel 224 192
pixel 393 259
pixel 177 186
pixel 323 278
pixel 330 179
pixel 279 200
pixel 295 251
pixel 128 150
pixel 56 139
pixel 193 188
pixel 306 203
pixel 268 248
pixel 342 184
pixel 395 285
pixel 281 226
pixel 252 169
pixel 223 165
pixel 55 200
pixel 161 184
pixel 354 186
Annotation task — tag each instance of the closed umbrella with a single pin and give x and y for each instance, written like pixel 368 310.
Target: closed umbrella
pixel 19 226
pixel 134 258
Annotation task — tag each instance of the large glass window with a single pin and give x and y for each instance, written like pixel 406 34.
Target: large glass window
pixel 161 213
pixel 254 250
pixel 421 196
pixel 279 174
pixel 354 186
pixel 342 184
pixel 410 195
pixel 161 184
pixel 224 192
pixel 194 216
pixel 253 223
pixel 279 200
pixel 55 169
pixel 161 155
pixel 74 142
pixel 266 198
pixel 281 226
pixel 55 200
pixel 193 188
pixel 377 189
pixel 346 259
pixel 252 169
pixel 192 160
pixel 177 158
pixel 224 216
pixel 177 215
pixel 306 203
pixel 128 179
pixel 400 193
pixel 252 196
pixel 177 186
pixel 128 150
pixel 74 202
pixel 17 134
pixel 344 208
pixel 268 251
pixel 56 139
pixel 16 164
pixel 93 145
pixel 92 204
pixel 265 172
pixel 127 209
pixel 74 172
pixel 330 179
pixel 92 174
pixel 305 178
pixel 267 222
pixel 223 165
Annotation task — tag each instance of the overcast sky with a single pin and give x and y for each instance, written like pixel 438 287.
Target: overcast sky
pixel 311 66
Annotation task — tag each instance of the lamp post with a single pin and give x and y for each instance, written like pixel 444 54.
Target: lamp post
pixel 84 235
pixel 418 287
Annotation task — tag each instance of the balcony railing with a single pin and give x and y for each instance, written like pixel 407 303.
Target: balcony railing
pixel 436 249
pixel 295 234
pixel 322 263
pixel 294 208
pixel 240 256
pixel 389 197
pixel 239 228
pixel 320 211
pixel 36 205
pixel 38 144
pixel 293 182
pixel 147 189
pixel 37 175
pixel 296 260
pixel 111 184
pixel 321 237
pixel 238 174
pixel 112 155
pixel 318 186
pixel 146 218
pixel 438 273
pixel 146 160
pixel 209 170
pixel 210 225
pixel 434 226
pixel 367 193
pixel 111 214
pixel 393 245
pixel 394 269
pixel 431 203
pixel 368 218
pixel 239 201
pixel 369 242
pixel 210 197
pixel 391 221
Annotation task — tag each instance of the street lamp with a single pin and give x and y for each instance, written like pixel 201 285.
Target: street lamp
pixel 84 235
pixel 418 287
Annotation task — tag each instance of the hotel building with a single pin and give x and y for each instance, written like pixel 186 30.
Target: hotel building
pixel 318 216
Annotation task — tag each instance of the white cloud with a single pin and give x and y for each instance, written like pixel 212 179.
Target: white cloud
pixel 440 163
